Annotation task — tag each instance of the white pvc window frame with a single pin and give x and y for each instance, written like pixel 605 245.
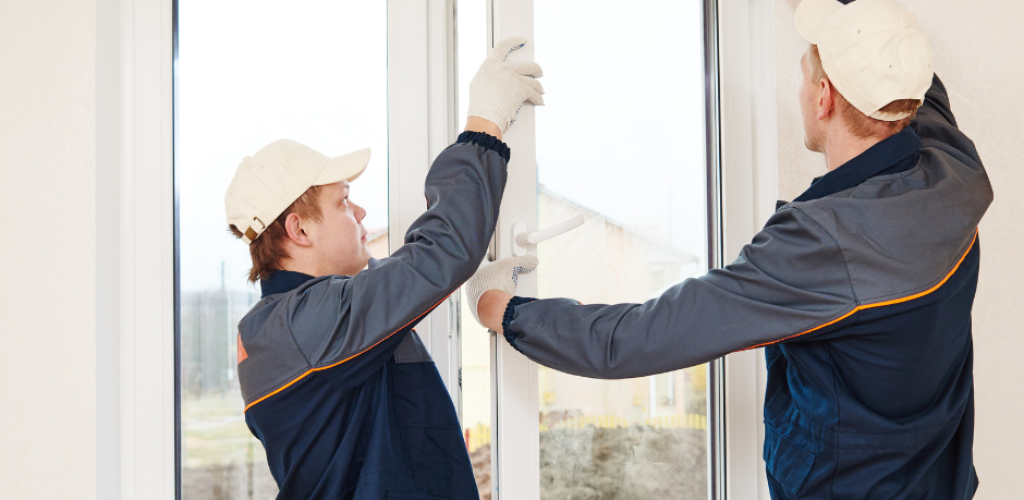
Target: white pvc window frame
pixel 742 185
pixel 141 448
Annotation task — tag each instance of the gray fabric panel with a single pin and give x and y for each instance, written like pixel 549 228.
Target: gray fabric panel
pixel 789 279
pixel 412 350
pixel 331 318
pixel 274 358
pixel 902 234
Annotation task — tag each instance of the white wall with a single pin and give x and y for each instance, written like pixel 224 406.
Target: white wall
pixel 48 148
pixel 978 55
pixel 47 196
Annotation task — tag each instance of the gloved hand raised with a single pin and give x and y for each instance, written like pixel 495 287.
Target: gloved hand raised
pixel 498 275
pixel 500 88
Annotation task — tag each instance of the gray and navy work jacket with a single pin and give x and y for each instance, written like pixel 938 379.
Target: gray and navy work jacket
pixel 339 389
pixel 860 291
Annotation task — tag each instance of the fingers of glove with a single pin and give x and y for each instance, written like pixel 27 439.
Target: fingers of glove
pixel 535 99
pixel 506 46
pixel 522 265
pixel 526 69
pixel 526 263
pixel 512 265
pixel 533 84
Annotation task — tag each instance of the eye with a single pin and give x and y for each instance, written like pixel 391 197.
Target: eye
pixel 344 201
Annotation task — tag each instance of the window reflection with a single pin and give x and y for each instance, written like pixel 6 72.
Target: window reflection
pixel 622 142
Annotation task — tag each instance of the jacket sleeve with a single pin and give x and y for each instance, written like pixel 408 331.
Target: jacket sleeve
pixel 937 126
pixel 790 281
pixel 341 318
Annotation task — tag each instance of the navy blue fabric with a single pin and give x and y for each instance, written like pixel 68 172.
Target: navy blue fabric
pixel 508 316
pixel 381 428
pixel 898 153
pixel 282 281
pixel 846 416
pixel 485 141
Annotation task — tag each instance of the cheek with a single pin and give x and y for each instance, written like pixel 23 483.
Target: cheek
pixel 807 108
pixel 349 230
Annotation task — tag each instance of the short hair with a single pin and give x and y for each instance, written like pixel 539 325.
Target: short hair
pixel 861 124
pixel 268 250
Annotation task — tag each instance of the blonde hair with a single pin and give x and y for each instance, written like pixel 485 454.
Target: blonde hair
pixel 862 125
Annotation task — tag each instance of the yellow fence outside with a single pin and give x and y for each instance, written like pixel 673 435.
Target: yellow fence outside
pixel 477 436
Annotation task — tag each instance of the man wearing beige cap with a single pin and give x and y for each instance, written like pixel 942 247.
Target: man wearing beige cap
pixel 860 290
pixel 343 395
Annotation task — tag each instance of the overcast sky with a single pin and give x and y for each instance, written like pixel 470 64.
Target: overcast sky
pixel 623 131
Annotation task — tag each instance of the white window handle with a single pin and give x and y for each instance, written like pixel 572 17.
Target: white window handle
pixel 522 239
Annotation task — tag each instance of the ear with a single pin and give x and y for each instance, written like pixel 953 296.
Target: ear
pixel 825 99
pixel 293 226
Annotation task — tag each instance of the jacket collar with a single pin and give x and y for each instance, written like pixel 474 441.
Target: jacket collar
pixel 898 153
pixel 282 281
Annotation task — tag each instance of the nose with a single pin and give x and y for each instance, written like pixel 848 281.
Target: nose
pixel 359 212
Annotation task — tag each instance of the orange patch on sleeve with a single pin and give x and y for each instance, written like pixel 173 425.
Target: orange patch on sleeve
pixel 242 355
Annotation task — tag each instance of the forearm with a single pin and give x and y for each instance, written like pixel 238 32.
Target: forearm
pixel 446 244
pixel 491 308
pixel 789 282
pixel 613 341
pixel 477 124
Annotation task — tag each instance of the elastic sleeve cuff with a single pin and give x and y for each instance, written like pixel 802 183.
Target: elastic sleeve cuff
pixel 485 141
pixel 506 320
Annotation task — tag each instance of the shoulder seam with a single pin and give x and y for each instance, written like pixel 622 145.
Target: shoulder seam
pixel 842 255
pixel 291 334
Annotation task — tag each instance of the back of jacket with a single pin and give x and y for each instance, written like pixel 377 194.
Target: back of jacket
pixel 879 402
pixel 860 291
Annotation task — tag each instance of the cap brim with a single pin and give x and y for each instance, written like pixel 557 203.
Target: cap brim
pixel 344 168
pixel 810 14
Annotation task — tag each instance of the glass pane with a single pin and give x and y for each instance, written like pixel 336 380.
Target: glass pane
pixel 622 142
pixel 471 22
pixel 250 72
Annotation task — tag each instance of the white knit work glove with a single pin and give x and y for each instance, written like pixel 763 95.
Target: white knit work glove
pixel 499 88
pixel 498 275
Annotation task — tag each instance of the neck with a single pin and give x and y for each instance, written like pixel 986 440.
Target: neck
pixel 296 263
pixel 293 266
pixel 842 146
pixel 308 264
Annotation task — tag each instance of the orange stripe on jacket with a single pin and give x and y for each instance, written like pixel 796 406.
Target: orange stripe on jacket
pixel 879 304
pixel 311 370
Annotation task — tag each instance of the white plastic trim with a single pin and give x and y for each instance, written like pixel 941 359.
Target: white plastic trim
pixel 146 286
pixel 516 456
pixel 749 191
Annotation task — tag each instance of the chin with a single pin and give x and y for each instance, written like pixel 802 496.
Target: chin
pixel 811 145
pixel 364 260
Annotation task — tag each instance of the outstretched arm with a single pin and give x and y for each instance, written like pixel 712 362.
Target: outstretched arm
pixel 345 318
pixel 789 282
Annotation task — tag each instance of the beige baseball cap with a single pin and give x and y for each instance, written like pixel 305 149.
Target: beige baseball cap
pixel 871 50
pixel 266 183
